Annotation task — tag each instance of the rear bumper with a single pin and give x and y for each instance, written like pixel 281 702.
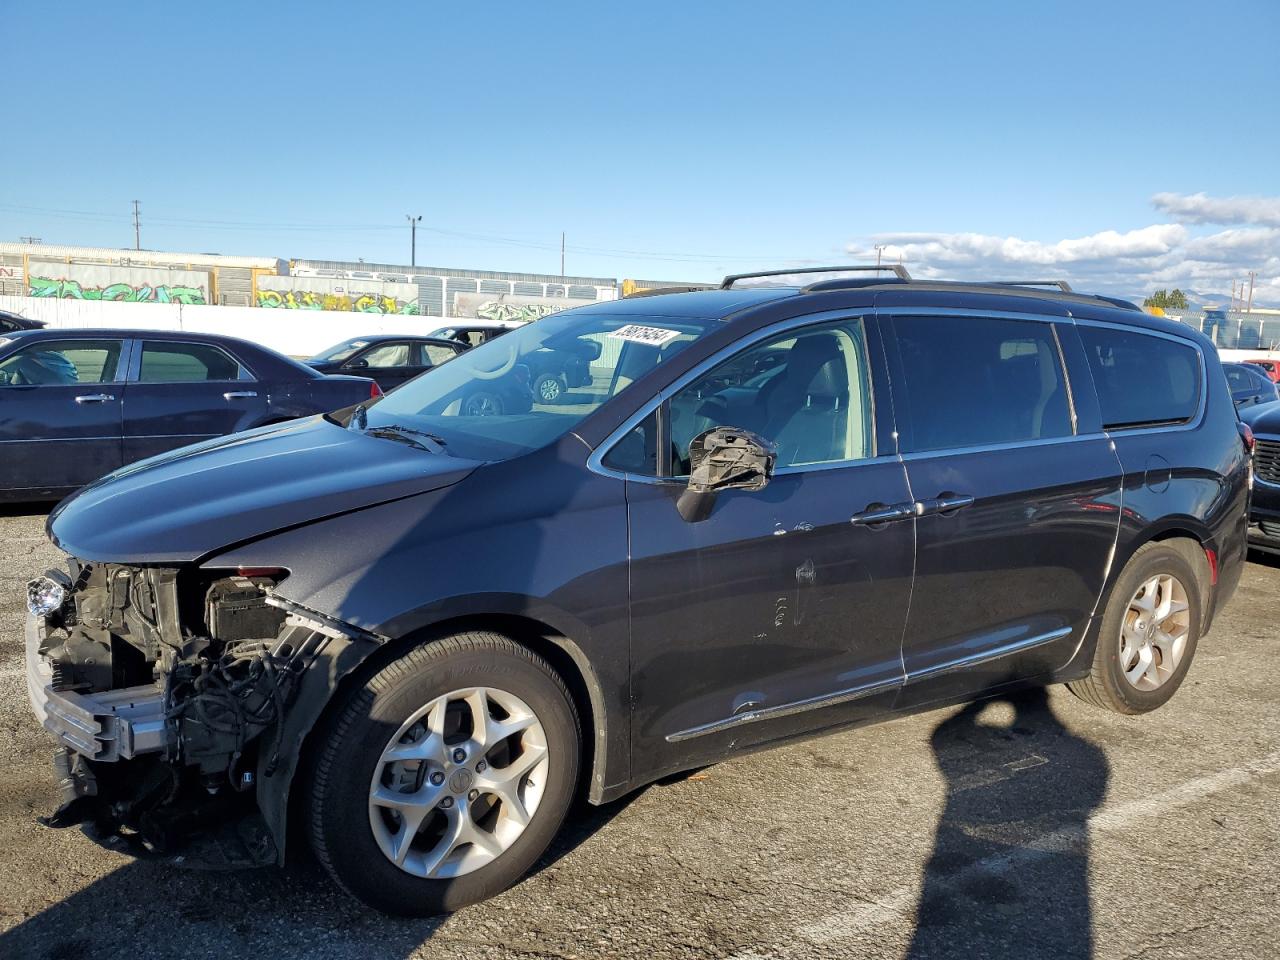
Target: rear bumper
pixel 107 726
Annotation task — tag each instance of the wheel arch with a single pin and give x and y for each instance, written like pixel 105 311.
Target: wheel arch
pixel 281 805
pixel 1173 530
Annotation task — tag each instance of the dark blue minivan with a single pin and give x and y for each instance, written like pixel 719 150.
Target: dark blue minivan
pixel 418 628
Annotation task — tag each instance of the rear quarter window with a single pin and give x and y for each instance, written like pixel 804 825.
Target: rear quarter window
pixel 1142 379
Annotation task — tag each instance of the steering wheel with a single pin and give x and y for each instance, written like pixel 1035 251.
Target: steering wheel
pixel 504 369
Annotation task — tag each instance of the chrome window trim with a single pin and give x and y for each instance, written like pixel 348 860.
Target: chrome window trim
pixel 924 310
pixel 1008 445
pixel 595 462
pixel 867 689
pixel 1192 423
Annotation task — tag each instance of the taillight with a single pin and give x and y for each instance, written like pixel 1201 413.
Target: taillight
pixel 375 391
pixel 1211 556
pixel 1246 435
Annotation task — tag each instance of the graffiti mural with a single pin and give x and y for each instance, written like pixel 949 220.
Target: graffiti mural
pixel 48 287
pixel 352 302
pixel 524 312
pixel 56 280
pixel 325 293
pixel 486 306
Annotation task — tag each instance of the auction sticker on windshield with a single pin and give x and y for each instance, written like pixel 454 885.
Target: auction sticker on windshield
pixel 653 336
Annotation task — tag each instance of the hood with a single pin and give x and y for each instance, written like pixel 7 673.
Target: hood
pixel 180 506
pixel 1262 418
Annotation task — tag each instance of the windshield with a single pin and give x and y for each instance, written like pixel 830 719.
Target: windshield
pixel 531 386
pixel 341 351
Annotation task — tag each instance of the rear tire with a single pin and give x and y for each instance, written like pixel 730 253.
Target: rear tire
pixel 1148 634
pixel 466 802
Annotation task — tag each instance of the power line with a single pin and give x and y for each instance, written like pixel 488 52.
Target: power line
pixel 245 225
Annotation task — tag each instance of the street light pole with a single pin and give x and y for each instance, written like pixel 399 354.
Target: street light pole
pixel 413 238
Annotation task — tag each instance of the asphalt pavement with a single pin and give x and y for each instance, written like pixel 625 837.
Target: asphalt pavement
pixel 1037 827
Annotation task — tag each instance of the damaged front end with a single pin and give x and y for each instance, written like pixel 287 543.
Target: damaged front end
pixel 166 689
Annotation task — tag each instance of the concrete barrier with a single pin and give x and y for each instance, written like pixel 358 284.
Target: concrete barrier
pixel 298 333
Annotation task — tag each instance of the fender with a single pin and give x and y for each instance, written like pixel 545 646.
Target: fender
pixel 346 659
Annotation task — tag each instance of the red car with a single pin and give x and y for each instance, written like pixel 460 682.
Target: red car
pixel 1272 368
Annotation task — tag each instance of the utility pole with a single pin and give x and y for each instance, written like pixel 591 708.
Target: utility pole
pixel 137 229
pixel 413 238
pixel 879 250
pixel 561 256
pixel 1252 276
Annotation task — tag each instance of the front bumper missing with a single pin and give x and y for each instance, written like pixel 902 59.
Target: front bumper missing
pixel 106 726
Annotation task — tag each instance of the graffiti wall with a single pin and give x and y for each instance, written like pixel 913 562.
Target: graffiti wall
pixel 506 306
pixel 55 279
pixel 323 293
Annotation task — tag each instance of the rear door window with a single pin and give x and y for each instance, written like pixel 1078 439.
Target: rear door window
pixel 1142 379
pixel 435 353
pixel 187 363
pixel 386 355
pixel 974 381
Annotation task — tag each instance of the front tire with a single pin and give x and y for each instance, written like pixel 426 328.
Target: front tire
pixel 445 776
pixel 1148 634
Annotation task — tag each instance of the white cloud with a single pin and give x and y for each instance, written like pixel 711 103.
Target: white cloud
pixel 1202 208
pixel 1130 264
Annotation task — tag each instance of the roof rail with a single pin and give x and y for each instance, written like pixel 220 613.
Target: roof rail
pixel 1060 284
pixel 897 269
pixel 660 291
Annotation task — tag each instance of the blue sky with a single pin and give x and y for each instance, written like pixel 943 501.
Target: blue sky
pixel 670 140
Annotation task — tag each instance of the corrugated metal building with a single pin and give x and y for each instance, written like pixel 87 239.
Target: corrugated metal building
pixel 437 286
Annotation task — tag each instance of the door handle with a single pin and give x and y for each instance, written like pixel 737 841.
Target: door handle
pixel 94 398
pixel 943 503
pixel 239 394
pixel 882 513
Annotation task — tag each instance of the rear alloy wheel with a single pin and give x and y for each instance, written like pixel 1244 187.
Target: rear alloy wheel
pixel 446 775
pixel 1148 633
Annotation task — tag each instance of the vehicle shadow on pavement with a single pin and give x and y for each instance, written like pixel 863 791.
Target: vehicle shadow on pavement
pixel 1009 872
pixel 150 910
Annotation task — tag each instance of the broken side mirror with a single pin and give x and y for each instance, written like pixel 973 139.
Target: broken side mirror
pixel 726 458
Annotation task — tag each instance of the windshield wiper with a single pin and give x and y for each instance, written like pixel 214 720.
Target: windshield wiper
pixel 402 434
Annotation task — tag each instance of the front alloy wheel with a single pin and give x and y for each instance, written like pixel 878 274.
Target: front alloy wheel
pixel 442 779
pixel 458 783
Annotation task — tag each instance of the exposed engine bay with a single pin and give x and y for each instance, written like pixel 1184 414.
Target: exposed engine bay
pixel 192 669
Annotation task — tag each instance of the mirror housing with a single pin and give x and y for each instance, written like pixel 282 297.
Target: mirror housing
pixel 724 458
pixel 358 364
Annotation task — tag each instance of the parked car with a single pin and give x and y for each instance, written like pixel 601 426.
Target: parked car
pixel 12 322
pixel 1249 385
pixel 1263 420
pixel 1270 367
pixel 475 332
pixel 77 404
pixel 390 359
pixel 780 512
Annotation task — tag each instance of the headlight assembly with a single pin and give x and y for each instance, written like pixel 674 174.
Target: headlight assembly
pixel 47 594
